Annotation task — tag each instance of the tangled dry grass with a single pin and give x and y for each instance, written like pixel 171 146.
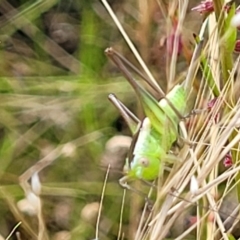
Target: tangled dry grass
pixel 200 179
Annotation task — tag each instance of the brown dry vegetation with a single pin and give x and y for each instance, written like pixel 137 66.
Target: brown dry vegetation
pixel 55 120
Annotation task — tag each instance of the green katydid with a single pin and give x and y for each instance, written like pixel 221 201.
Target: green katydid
pixel 159 130
pixel 151 146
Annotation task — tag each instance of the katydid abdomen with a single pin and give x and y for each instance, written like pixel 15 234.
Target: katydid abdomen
pixel 178 97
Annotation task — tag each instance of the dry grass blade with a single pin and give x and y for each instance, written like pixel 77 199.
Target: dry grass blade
pixel 173 63
pixel 101 202
pixel 131 46
pixel 121 216
pixel 14 229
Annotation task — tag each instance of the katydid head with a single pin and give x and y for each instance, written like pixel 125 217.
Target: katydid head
pixel 144 162
pixel 144 167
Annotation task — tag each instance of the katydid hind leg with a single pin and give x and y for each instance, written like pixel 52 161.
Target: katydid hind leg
pixel 132 121
pixel 195 112
pixel 149 103
pixel 120 61
pixel 170 158
pixel 148 183
pixel 135 69
pixel 183 135
pixel 124 184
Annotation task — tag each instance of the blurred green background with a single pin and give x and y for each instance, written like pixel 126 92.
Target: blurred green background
pixel 54 83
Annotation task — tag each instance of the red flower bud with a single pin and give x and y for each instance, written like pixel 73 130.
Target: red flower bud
pixel 207 7
pixel 237 46
pixel 211 104
pixel 227 162
pixel 170 43
pixel 204 7
pixel 172 37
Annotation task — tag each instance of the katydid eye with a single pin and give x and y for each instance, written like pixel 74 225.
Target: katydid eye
pixel 144 162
